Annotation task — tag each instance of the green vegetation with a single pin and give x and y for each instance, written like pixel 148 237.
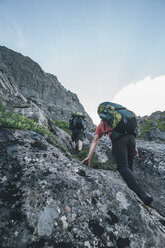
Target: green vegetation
pixel 95 162
pixel 63 125
pixel 10 119
pixel 161 125
pixel 148 125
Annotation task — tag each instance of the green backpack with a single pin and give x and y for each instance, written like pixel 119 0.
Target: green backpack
pixel 122 120
pixel 83 115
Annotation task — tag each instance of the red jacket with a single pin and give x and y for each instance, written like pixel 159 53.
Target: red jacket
pixel 103 128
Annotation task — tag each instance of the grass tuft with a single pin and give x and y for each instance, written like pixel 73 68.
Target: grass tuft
pixel 63 125
pixel 95 163
pixel 9 119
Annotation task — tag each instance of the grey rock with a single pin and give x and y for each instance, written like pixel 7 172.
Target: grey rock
pixel 154 134
pixel 54 201
pixel 158 115
pixel 150 170
pixel 46 220
pixel 157 134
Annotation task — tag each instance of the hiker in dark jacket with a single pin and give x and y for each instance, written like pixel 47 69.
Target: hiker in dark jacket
pixel 124 151
pixel 76 125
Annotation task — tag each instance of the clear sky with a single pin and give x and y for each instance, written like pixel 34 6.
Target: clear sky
pixel 102 50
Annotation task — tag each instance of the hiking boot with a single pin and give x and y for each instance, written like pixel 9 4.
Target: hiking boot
pixel 146 198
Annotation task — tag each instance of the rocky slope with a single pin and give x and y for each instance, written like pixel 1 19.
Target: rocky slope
pixel 48 199
pixel 42 88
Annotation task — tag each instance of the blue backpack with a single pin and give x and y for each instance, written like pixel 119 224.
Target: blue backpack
pixel 122 120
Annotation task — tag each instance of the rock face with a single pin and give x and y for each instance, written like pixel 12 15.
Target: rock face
pixel 155 134
pixel 50 200
pixel 156 122
pixel 150 170
pixel 10 96
pixel 42 88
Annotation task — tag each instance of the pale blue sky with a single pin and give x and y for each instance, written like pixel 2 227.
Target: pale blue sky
pixel 94 47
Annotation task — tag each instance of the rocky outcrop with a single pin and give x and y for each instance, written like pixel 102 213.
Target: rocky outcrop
pixel 48 199
pixel 154 126
pixel 154 134
pixel 42 88
pixel 150 170
pixel 16 102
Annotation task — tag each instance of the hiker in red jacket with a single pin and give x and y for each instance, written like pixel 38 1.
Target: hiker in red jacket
pixel 124 150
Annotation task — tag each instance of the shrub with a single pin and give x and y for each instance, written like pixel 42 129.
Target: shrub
pixel 161 125
pixel 63 125
pixel 146 126
pixel 10 119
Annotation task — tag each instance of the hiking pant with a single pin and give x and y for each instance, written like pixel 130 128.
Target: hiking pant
pixel 124 151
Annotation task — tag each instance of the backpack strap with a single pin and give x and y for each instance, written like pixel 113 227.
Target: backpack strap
pixel 107 132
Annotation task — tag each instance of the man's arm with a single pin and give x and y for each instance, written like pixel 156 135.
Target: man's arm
pixel 92 149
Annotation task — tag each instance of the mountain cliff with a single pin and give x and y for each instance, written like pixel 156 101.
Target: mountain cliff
pixel 42 88
pixel 48 199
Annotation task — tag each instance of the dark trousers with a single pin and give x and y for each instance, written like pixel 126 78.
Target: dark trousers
pixel 77 134
pixel 124 151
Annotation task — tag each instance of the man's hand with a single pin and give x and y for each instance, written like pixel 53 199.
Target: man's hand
pixel 91 150
pixel 87 160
